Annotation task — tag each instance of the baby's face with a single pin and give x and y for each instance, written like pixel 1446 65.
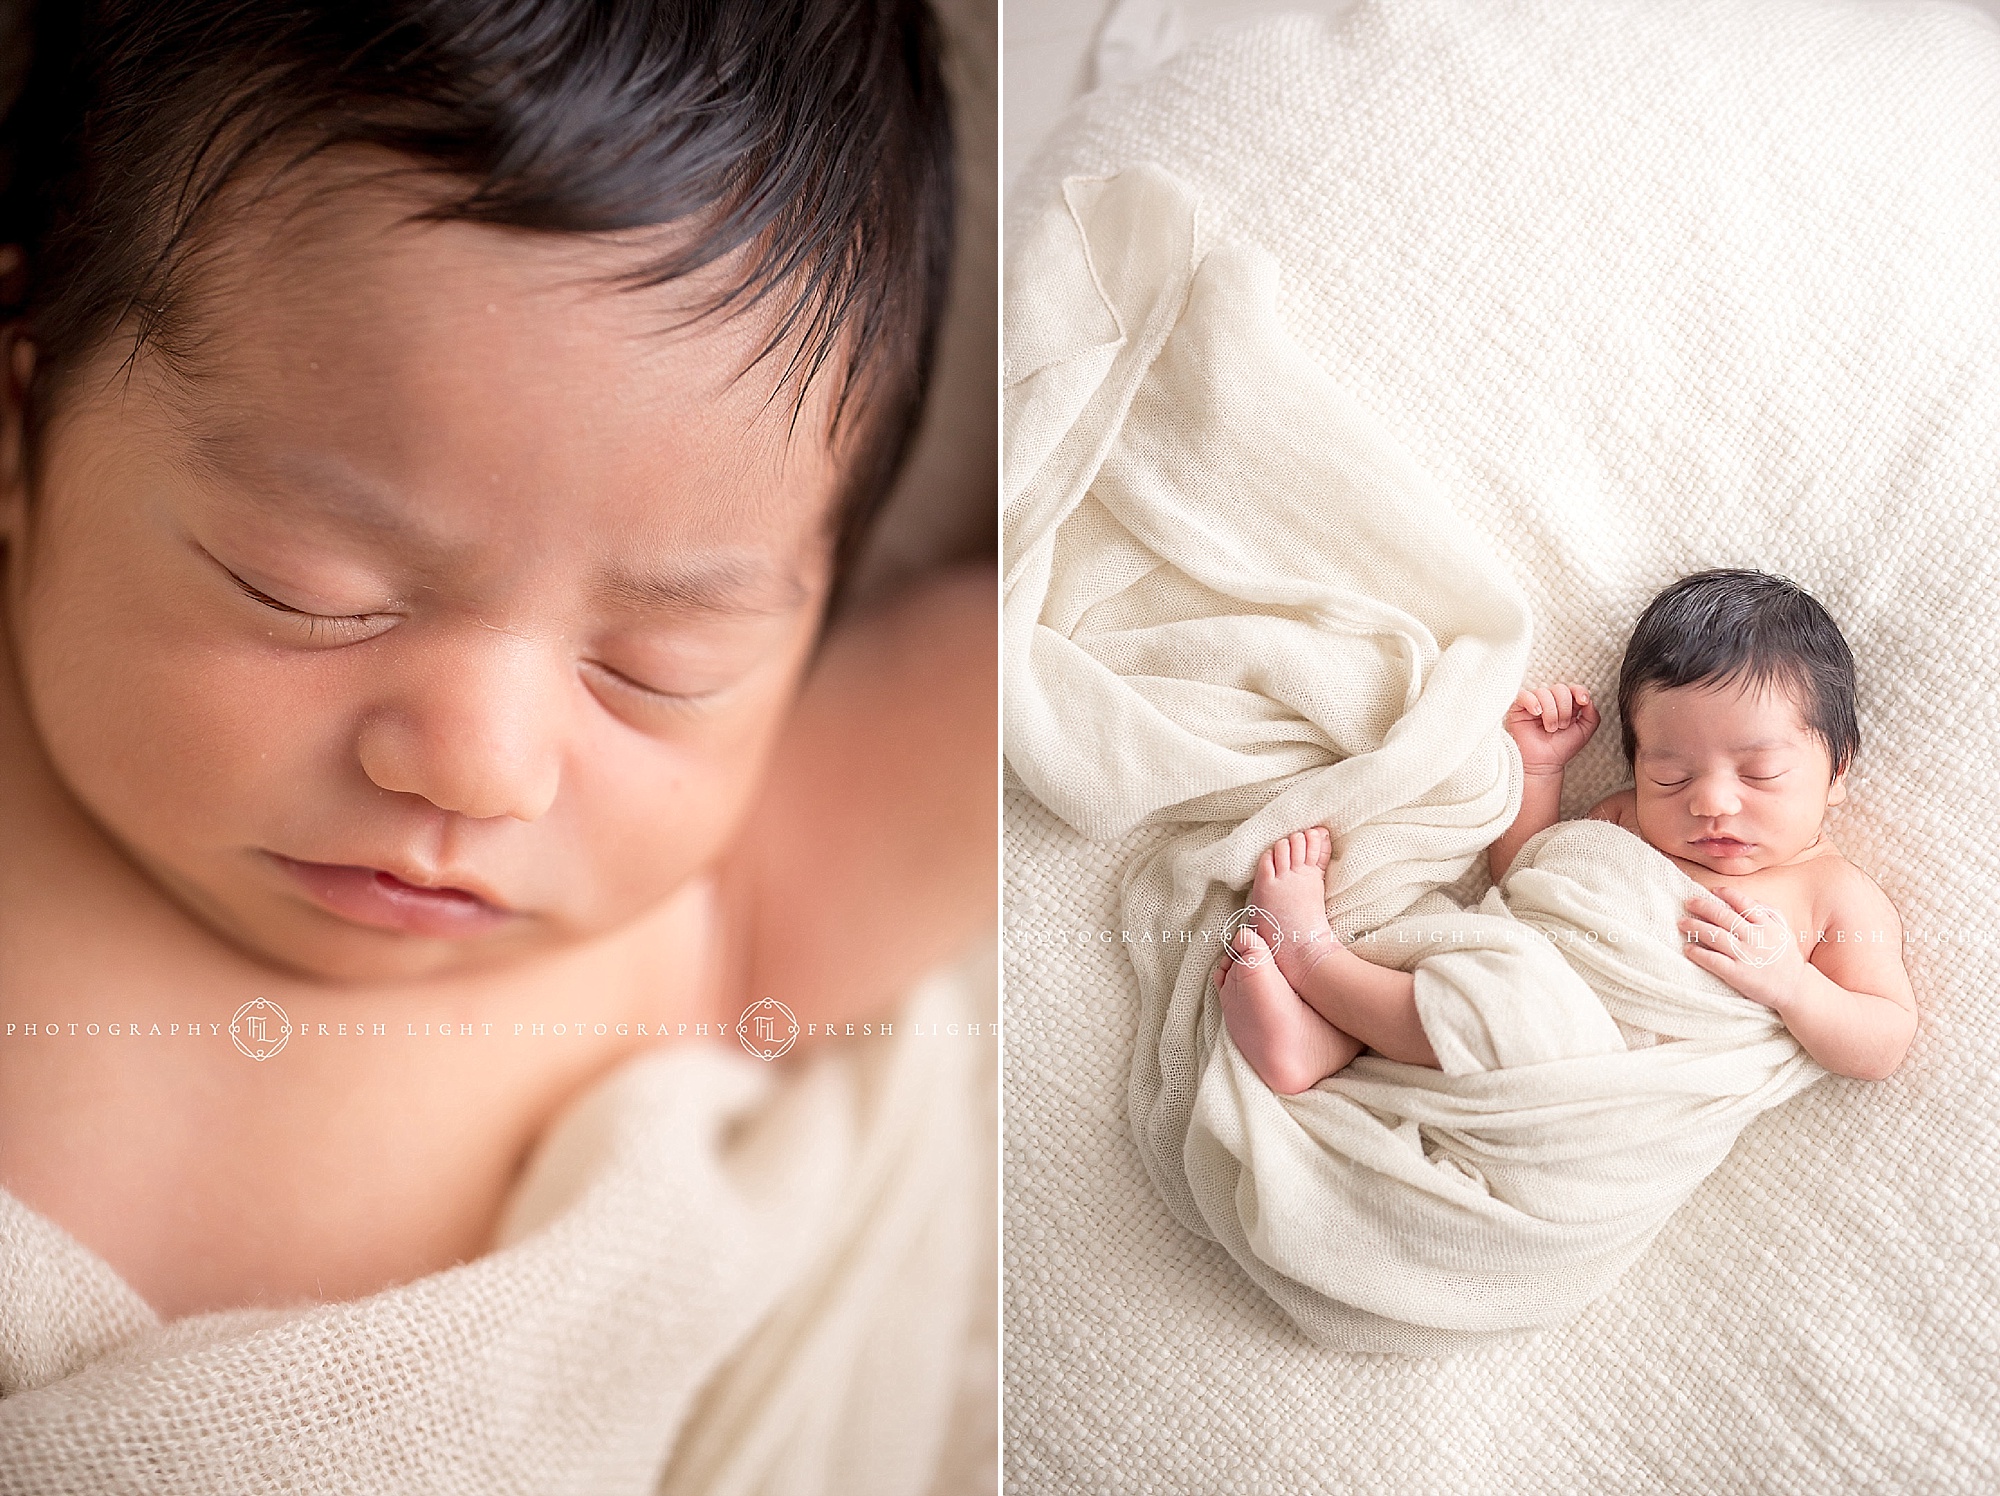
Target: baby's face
pixel 448 571
pixel 1729 778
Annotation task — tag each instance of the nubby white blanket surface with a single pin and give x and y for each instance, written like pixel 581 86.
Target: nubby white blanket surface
pixel 1639 288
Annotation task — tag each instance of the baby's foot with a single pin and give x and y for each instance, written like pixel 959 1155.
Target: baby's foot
pixel 1290 887
pixel 1290 1046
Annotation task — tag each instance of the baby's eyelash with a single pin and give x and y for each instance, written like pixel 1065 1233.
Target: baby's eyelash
pixel 313 620
pixel 674 700
pixel 1750 778
pixel 268 601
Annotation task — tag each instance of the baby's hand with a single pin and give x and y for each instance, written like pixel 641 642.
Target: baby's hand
pixel 1747 944
pixel 1550 725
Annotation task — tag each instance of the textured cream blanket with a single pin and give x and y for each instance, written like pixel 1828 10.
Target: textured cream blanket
pixel 1645 287
pixel 1233 605
pixel 715 1277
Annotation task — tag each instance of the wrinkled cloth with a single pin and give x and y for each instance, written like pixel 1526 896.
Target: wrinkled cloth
pixel 1591 1076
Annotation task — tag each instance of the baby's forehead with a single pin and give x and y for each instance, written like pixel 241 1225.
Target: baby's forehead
pixel 346 239
pixel 335 266
pixel 1740 715
pixel 334 279
pixel 477 388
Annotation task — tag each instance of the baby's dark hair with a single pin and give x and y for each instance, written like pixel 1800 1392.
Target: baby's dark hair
pixel 1748 626
pixel 813 134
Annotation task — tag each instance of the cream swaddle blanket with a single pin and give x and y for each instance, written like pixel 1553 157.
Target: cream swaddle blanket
pixel 715 1277
pixel 1232 604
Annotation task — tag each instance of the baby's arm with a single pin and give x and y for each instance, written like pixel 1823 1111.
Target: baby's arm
pixel 1549 725
pixel 1851 1006
pixel 870 854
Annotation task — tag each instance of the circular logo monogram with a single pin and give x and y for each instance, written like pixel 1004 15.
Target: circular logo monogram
pixel 260 1028
pixel 767 1028
pixel 1759 944
pixel 1248 915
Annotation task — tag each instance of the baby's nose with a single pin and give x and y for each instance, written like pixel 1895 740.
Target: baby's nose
pixel 1713 797
pixel 477 735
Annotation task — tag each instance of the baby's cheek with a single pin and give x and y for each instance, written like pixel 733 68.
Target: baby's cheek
pixel 153 734
pixel 646 828
pixel 1651 826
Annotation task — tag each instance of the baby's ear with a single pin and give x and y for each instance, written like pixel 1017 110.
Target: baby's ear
pixel 1836 792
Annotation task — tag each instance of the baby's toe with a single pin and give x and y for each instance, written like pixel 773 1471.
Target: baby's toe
pixel 1319 847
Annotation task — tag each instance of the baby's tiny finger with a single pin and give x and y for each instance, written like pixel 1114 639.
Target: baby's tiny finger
pixel 1737 901
pixel 1708 906
pixel 1701 930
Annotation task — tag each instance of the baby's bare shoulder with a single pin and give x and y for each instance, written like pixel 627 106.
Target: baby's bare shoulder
pixel 868 857
pixel 1620 808
pixel 1845 896
pixel 1860 943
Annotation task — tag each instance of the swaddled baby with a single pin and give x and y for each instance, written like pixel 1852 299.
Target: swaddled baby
pixel 1737 703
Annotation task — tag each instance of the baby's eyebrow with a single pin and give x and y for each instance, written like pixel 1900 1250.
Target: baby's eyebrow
pixel 1757 747
pixel 726 584
pixel 721 583
pixel 328 487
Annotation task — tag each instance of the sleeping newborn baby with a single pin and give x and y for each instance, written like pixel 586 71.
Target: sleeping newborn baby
pixel 1737 703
